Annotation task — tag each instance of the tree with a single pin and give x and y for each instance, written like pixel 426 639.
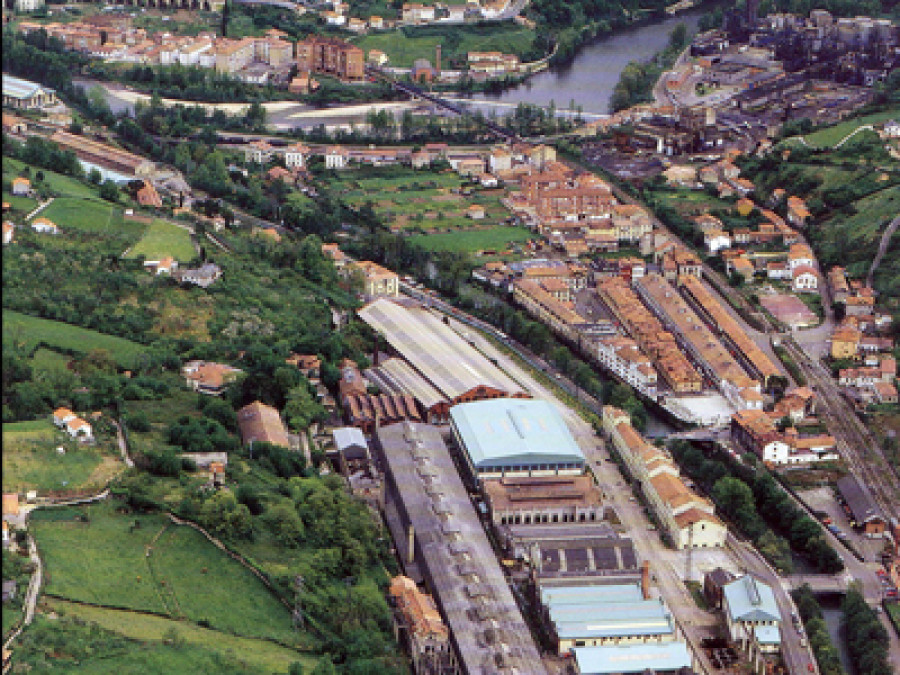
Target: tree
pixel 301 409
pixel 223 516
pixel 285 524
pixel 109 191
pixel 735 499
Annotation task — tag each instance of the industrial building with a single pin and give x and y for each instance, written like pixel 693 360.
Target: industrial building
pixel 860 506
pixel 513 437
pixel 584 553
pixel 615 614
pixel 667 658
pixel 25 95
pixel 550 499
pixel 439 358
pixel 440 541
pixel 751 612
pixel 419 627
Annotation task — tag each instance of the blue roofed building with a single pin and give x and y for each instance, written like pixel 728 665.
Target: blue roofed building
pixel 662 659
pixel 750 609
pixel 610 614
pixel 514 437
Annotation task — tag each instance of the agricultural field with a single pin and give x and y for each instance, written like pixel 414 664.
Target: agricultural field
pixel 29 331
pixel 58 184
pixel 497 239
pixel 86 215
pixel 421 201
pixel 827 138
pixel 76 640
pixel 403 46
pixel 31 460
pixel 259 655
pixel 48 361
pixel 97 556
pixel 162 239
pixel 20 206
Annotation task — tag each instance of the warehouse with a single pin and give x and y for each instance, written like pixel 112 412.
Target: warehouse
pixel 514 437
pixel 661 659
pixel 396 376
pixel 25 95
pixel 441 541
pixel 861 507
pixel 437 353
pixel 546 499
pixel 616 614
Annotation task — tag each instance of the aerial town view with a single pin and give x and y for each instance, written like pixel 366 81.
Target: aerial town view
pixel 451 337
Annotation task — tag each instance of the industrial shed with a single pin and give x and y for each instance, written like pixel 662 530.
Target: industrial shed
pixel 860 505
pixel 514 437
pixel 437 353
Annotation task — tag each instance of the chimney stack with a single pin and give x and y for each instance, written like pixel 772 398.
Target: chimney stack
pixel 645 579
pixel 410 543
pixel 437 61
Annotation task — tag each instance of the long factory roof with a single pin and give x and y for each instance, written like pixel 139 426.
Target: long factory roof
pixel 437 352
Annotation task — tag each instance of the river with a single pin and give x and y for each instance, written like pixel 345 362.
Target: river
pixel 589 79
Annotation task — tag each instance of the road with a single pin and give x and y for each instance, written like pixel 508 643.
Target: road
pixel 796 656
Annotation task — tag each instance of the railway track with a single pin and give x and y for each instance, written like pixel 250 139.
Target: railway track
pixel 857 445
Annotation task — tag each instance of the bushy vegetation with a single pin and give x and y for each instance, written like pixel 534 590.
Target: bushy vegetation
pixel 636 82
pixel 827 655
pixel 748 496
pixel 867 639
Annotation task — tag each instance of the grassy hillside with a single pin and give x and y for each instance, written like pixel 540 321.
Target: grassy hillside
pixel 28 331
pixel 163 239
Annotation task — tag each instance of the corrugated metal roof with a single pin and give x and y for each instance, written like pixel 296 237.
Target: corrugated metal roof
pixel 443 357
pixel 504 431
pixel 400 378
pixel 632 658
pixel 347 437
pixel 749 599
pixel 18 88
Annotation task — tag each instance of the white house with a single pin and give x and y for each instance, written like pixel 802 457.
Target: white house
pixel 333 18
pixel 259 152
pixel 21 186
pixel 9 231
pixel 336 157
pixel 892 129
pixel 295 156
pixel 800 256
pixel 62 415
pixel 500 159
pixel 776 452
pixel 44 225
pixel 805 280
pixel 80 429
pixel 751 612
pixel 716 240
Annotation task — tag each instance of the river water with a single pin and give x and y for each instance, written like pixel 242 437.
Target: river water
pixel 589 79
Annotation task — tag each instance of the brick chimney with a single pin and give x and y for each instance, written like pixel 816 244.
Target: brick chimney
pixel 437 61
pixel 645 579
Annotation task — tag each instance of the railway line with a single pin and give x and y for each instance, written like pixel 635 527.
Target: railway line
pixel 857 445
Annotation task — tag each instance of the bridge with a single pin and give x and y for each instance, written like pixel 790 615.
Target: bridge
pixel 417 92
pixel 711 434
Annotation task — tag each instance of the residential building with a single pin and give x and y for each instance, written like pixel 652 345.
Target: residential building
pixel 79 429
pixel 9 231
pixel 261 423
pixel 295 156
pixel 44 225
pixel 207 377
pixel 845 342
pixel 377 281
pixel 258 152
pixel 688 519
pixel 148 196
pixel 332 56
pixel 754 431
pixel 21 186
pixel 805 279
pixel 337 157
pixel 166 265
pixel 414 12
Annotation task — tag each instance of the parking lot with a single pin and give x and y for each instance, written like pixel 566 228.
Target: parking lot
pixel 823 499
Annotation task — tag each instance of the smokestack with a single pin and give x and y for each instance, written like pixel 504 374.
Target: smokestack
pixel 410 542
pixel 645 579
pixel 437 61
pixel 375 352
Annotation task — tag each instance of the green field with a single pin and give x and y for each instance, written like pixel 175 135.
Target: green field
pixel 419 200
pixel 59 184
pixel 28 331
pixel 65 643
pixel 472 241
pixel 826 138
pixel 163 239
pixel 48 361
pixel 86 215
pixel 104 561
pixel 404 46
pixel 260 655
pixel 31 462
pixel 21 205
